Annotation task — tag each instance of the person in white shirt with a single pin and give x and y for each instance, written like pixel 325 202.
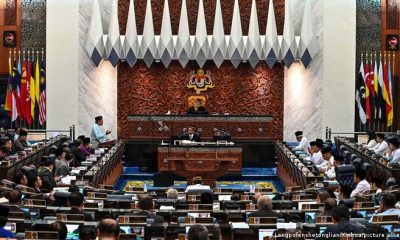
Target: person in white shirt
pixel 303 142
pixel 371 140
pixel 382 145
pixel 328 159
pixel 394 145
pixel 331 172
pixel 387 206
pixel 315 151
pixel 362 184
pixel 376 184
pixel 197 185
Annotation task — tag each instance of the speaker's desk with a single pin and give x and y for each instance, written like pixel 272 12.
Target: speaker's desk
pixel 209 162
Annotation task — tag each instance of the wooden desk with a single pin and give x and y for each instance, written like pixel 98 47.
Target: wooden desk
pixel 209 162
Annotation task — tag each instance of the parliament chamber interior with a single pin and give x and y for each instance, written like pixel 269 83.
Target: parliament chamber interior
pixel 200 119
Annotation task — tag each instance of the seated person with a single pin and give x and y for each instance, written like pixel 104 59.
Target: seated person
pixel 21 179
pixel 315 151
pixel 35 182
pixel 62 165
pixel 88 146
pixel 344 195
pixel 329 204
pixel 75 201
pixel 197 232
pixel 214 233
pixel 328 159
pixel 303 142
pixel 382 145
pixel 191 135
pixel 371 140
pixel 15 202
pixel 9 145
pixel 387 206
pixel 61 228
pixel 394 146
pixel 265 209
pixel 197 185
pixel 331 172
pixel 221 135
pixel 341 218
pixel 108 229
pixel 22 142
pixel 362 184
pixel 46 173
pixel 146 206
pixel 197 108
pixel 4 211
pixel 79 157
pixel 376 184
pixel 172 193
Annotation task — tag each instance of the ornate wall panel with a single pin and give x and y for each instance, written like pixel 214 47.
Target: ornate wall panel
pixel 10 14
pixel 34 24
pixel 237 91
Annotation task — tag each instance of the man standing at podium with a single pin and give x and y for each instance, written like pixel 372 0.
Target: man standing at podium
pixel 191 135
pixel 96 134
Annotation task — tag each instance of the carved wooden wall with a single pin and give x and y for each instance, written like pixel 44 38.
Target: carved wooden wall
pixel 244 90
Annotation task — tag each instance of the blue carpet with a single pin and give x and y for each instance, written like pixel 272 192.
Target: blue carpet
pixel 245 171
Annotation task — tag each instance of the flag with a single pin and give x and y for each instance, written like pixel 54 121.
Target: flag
pixel 32 90
pixel 360 94
pixel 37 90
pixel 376 89
pixel 369 78
pixel 8 104
pixel 23 89
pixel 389 103
pixel 16 82
pixel 381 102
pixel 28 114
pixel 367 75
pixel 42 106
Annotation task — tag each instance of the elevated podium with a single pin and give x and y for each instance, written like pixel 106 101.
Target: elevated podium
pixel 209 162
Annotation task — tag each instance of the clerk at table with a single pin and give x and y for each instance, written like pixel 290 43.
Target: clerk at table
pixel 191 135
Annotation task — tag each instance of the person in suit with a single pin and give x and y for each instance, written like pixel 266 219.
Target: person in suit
pixel 191 135
pixel 362 184
pixel 77 152
pixel 22 142
pixel 46 173
pixel 265 209
pixel 146 206
pixel 75 201
pixel 15 202
pixel 197 108
pixel 221 135
pixel 341 217
pixel 3 152
pixel 35 182
pixel 21 179
pixel 197 185
pixel 108 228
pixel 6 142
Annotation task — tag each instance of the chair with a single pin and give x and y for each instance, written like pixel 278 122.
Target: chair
pixel 367 168
pixel 390 182
pixel 357 162
pixel 191 99
pixel 353 156
pixel 61 198
pixel 342 149
pixel 347 157
pixel 345 175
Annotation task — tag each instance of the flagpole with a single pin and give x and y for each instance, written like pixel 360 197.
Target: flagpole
pixel 372 125
pixel 360 125
pixel 10 67
pixel 391 94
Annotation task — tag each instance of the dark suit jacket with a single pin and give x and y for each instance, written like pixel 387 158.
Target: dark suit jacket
pixel 340 227
pixel 196 137
pixel 200 110
pixel 265 213
pixel 20 145
pixel 14 208
pixel 86 216
pixel 78 155
pixel 157 218
pixel 47 177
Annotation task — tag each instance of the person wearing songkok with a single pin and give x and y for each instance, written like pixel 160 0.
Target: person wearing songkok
pixel 108 229
pixel 362 184
pixel 15 202
pixel 35 182
pixel 9 145
pixel 83 148
pixel 331 172
pixel 97 134
pixel 4 211
pixel 303 142
pixel 382 145
pixel 46 173
pixel 197 232
pixel 62 165
pixel 88 146
pixel 344 193
pixel 197 108
pixel 316 155
pixel 79 157
pixel 394 145
pixel 328 159
pixel 387 206
pixel 191 135
pixel 21 179
pixel 146 207
pixel 22 142
pixel 197 185
pixel 75 201
pixel 371 140
pixel 341 225
pixel 264 204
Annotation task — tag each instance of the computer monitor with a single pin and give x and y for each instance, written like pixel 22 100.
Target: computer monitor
pixel 310 217
pixel 389 228
pixel 366 214
pixel 72 231
pixel 224 197
pixel 135 230
pixel 322 230
pixel 263 233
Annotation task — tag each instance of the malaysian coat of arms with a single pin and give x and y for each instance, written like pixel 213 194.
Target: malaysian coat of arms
pixel 200 81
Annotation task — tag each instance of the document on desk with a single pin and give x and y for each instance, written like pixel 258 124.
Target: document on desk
pixel 240 225
pixel 286 225
pixel 67 179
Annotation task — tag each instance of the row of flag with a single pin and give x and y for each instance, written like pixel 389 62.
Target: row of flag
pixel 26 88
pixel 374 90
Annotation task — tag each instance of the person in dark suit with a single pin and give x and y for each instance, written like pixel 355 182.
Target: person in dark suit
pixel 146 206
pixel 35 182
pixel 77 152
pixel 46 173
pixel 22 142
pixel 75 201
pixel 191 135
pixel 265 209
pixel 341 225
pixel 15 202
pixel 197 108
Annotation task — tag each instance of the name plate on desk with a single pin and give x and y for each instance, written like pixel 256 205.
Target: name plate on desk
pixel 251 207
pixel 316 207
pixel 140 220
pixel 90 205
pixel 265 221
pixel 193 198
pixel 363 206
pixel 134 189
pixel 299 198
pixel 263 190
pixel 245 198
pixel 204 207
pixel 35 203
pixel 41 235
pixel 385 219
pixel 16 217
pixel 78 218
pixel 96 195
pixel 324 220
pixel 202 220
